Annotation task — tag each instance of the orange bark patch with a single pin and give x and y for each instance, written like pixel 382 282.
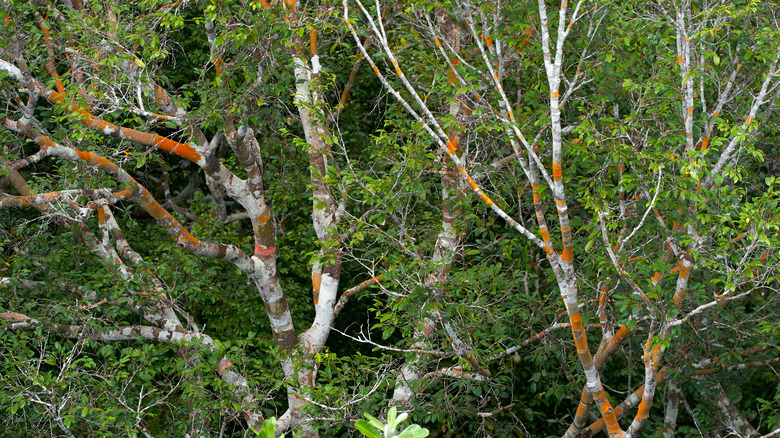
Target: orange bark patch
pixel 683 271
pixel 224 364
pixel 620 335
pixel 613 428
pixel 259 250
pixel 44 142
pixel 678 297
pixel 160 96
pixel 316 282
pixel 452 77
pixel 576 322
pixel 481 194
pixel 313 41
pixel 557 171
pixel 452 146
pixel 363 285
pixel 263 218
pixel 545 234
pixel 453 143
pixel 568 255
pixel 176 148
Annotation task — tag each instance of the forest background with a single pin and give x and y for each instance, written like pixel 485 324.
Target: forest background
pixel 507 218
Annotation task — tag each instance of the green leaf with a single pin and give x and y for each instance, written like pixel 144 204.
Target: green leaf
pixel 374 421
pixel 414 431
pixel 269 428
pixel 589 245
pixel 366 429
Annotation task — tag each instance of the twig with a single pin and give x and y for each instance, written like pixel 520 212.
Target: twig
pixel 399 350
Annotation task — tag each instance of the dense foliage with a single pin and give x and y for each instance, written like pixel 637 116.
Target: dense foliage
pixel 504 218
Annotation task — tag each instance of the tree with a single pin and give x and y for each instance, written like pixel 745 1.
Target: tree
pixel 156 157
